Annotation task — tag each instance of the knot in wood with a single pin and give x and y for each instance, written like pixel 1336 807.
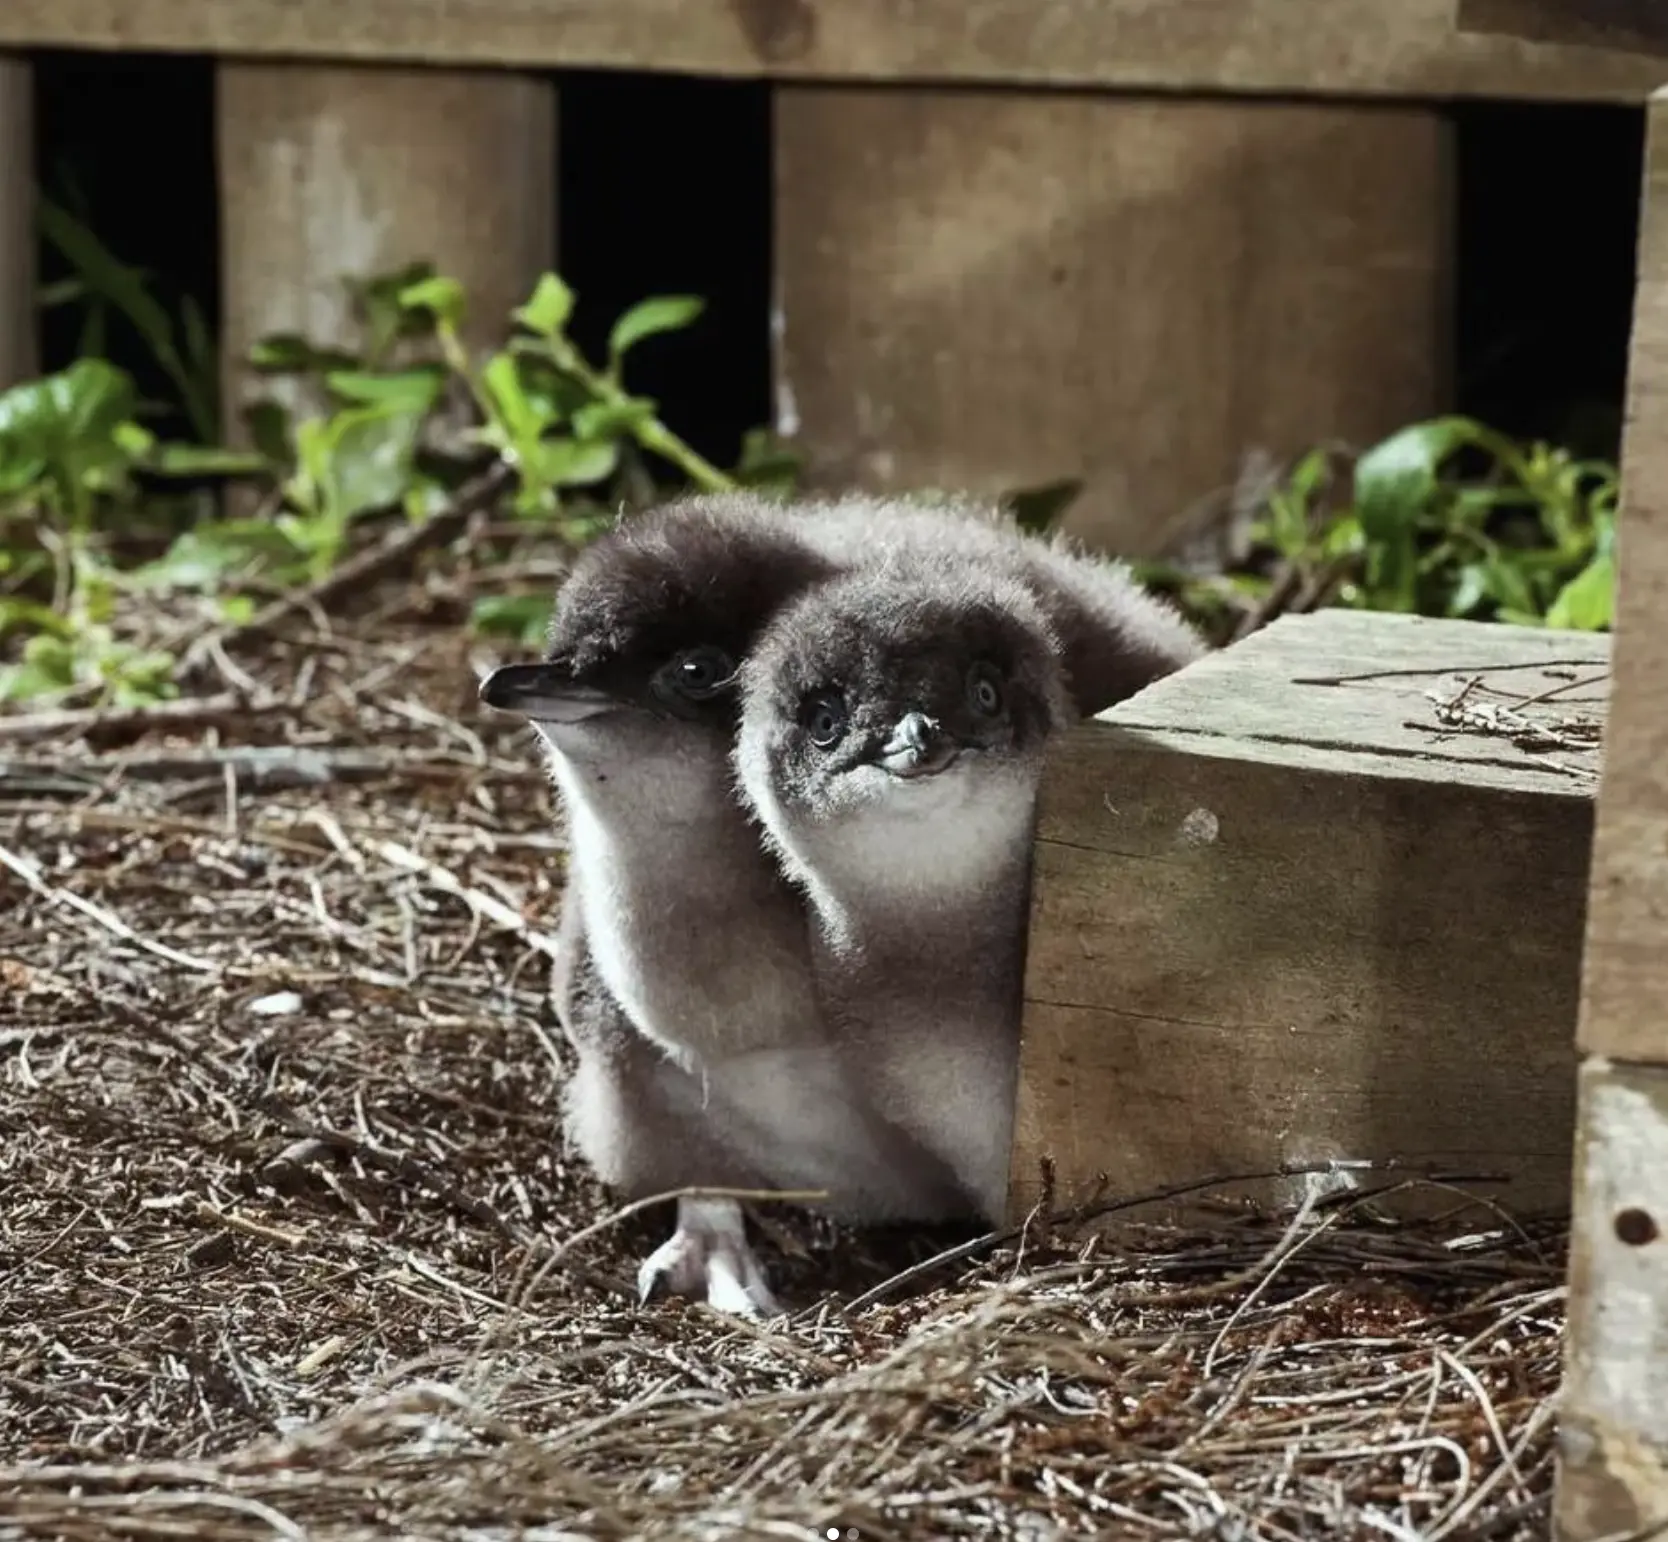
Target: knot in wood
pixel 778 31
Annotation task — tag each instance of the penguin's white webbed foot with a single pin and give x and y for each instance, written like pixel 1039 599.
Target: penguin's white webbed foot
pixel 709 1256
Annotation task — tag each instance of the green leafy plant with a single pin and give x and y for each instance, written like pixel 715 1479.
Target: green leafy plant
pixel 1443 518
pixel 72 453
pixel 104 286
pixel 392 423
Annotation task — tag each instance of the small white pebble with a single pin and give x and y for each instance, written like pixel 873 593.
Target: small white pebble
pixel 279 1004
pixel 1200 828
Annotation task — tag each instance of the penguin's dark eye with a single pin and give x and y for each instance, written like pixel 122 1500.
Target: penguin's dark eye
pixel 823 718
pixel 984 690
pixel 698 673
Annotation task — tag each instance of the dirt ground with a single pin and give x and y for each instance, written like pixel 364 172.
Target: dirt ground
pixel 289 1245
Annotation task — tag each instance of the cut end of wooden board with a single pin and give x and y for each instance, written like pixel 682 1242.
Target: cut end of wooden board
pixel 1289 912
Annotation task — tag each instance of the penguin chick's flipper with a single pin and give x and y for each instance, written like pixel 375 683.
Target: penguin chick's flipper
pixel 709 1255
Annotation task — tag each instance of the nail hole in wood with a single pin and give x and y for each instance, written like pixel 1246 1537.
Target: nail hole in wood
pixel 1635 1227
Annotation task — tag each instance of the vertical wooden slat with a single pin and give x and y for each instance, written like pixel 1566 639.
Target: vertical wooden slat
pixel 981 290
pixel 333 172
pixel 1613 1477
pixel 19 335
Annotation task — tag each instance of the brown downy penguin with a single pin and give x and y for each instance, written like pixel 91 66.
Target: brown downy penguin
pixel 1116 638
pixel 893 728
pixel 688 928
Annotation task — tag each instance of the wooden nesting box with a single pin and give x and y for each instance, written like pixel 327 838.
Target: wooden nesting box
pixel 1314 899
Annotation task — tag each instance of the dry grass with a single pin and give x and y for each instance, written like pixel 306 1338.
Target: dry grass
pixel 285 1225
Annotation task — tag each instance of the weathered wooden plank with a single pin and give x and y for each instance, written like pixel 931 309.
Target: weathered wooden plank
pixel 1346 47
pixel 337 172
pixel 1634 25
pixel 1272 925
pixel 1613 1470
pixel 19 353
pixel 1613 1439
pixel 1625 990
pixel 982 290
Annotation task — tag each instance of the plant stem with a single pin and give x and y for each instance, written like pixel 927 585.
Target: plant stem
pixel 654 436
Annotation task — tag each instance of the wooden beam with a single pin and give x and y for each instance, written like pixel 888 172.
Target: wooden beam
pixel 1637 26
pixel 339 172
pixel 1284 913
pixel 983 290
pixel 19 314
pixel 1625 989
pixel 1613 1475
pixel 1343 47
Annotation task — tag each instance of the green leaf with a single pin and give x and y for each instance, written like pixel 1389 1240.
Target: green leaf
pixel 1395 489
pixel 570 463
pixel 1508 586
pixel 548 310
pixel 193 460
pixel 524 617
pixel 32 682
pixel 288 353
pixel 662 313
pixel 380 300
pixel 1039 509
pixel 212 553
pixel 1309 475
pixel 1470 591
pixel 768 463
pixel 514 414
pixel 443 297
pixel 65 292
pixel 367 455
pixel 86 402
pixel 269 430
pixel 16 612
pixel 1587 603
pixel 600 420
pixel 407 390
pixel 123 288
pixel 71 425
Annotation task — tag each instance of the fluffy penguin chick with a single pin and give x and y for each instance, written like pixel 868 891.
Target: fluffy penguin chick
pixel 1115 637
pixel 892 738
pixel 686 922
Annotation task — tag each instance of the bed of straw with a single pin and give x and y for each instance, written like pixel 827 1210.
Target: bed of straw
pixel 289 1245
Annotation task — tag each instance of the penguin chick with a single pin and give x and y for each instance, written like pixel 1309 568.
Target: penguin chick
pixel 893 729
pixel 1116 638
pixel 690 929
pixel 639 1121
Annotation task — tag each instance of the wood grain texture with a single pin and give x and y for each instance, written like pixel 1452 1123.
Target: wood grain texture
pixel 981 291
pixel 1625 988
pixel 1613 1447
pixel 1272 925
pixel 1633 25
pixel 19 335
pixel 1613 1435
pixel 1342 47
pixel 332 173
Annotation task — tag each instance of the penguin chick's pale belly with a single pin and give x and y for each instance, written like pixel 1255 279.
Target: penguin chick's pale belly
pixel 920 951
pixel 707 948
pixel 891 744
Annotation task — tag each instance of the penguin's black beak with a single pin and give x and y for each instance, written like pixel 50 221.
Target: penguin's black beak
pixel 918 746
pixel 544 693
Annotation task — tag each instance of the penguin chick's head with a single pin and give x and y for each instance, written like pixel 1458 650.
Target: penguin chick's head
pixel 651 624
pixel 894 722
